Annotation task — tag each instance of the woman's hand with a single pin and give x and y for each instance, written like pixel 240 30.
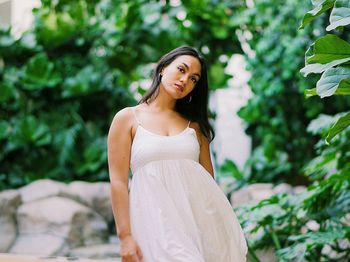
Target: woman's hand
pixel 130 250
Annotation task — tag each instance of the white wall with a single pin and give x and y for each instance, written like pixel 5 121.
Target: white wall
pixel 5 12
pixel 231 141
pixel 21 15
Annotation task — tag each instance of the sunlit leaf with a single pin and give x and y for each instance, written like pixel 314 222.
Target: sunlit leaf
pixel 327 49
pixel 321 7
pixel 340 15
pixel 331 79
pixel 342 123
pixel 39 73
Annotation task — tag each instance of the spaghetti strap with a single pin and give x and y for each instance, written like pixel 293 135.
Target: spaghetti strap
pixel 133 111
pixel 189 122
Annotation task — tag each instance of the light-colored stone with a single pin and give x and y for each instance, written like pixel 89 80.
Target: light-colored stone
pixel 262 194
pixel 313 225
pixel 97 251
pixel 5 257
pixel 39 244
pixel 256 192
pixel 282 188
pixel 344 244
pixel 95 195
pixel 266 255
pixel 299 190
pixel 9 201
pixel 251 194
pixel 42 188
pixel 62 217
pixel 240 197
pixel 8 232
pixel 259 186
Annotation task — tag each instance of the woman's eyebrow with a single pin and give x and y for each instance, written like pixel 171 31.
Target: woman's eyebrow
pixel 194 73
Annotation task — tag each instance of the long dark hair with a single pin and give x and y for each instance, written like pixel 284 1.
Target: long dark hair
pixel 197 109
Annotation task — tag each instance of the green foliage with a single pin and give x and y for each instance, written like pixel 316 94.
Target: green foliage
pixel 314 225
pixel 277 114
pixel 319 8
pixel 62 81
pixel 330 55
pixel 300 226
pixel 342 123
pixel 325 53
pixel 39 73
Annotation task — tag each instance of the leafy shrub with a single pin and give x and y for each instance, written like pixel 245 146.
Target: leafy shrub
pixel 277 114
pixel 314 225
pixel 62 81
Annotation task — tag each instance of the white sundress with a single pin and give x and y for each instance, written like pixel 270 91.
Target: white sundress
pixel 178 213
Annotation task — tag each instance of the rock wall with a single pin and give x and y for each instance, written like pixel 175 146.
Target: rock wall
pixel 49 218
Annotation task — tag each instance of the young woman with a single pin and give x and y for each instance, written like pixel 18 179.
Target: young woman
pixel 173 209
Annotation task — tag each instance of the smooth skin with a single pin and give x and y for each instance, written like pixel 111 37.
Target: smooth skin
pixel 160 118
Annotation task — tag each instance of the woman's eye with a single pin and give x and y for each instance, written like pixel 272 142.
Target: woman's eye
pixel 194 80
pixel 181 69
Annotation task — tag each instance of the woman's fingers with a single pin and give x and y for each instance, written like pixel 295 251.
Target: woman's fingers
pixel 139 254
pixel 129 258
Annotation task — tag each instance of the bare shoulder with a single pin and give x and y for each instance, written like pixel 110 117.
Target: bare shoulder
pixel 122 120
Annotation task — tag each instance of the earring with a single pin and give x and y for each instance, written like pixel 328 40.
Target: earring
pixel 189 100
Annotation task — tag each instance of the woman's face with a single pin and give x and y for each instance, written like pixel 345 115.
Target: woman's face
pixel 180 76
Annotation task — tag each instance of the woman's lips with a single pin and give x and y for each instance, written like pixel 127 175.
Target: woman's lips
pixel 180 88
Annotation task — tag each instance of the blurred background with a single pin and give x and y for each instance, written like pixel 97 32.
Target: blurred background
pixel 279 80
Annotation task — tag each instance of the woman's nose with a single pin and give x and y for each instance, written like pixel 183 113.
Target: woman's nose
pixel 183 78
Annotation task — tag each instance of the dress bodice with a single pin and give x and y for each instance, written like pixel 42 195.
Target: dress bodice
pixel 148 146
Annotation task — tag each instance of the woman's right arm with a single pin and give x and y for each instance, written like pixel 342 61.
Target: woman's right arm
pixel 119 146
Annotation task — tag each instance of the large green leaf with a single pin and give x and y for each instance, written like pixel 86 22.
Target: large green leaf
pixel 327 49
pixel 342 123
pixel 321 7
pixel 39 73
pixel 85 81
pixel 340 15
pixel 29 130
pixel 318 68
pixel 326 52
pixel 331 79
pixel 6 91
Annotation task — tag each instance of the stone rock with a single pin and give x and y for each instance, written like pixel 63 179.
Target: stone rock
pixel 266 255
pixel 240 197
pixel 251 193
pixel 344 244
pixel 60 218
pixel 299 190
pixel 97 251
pixel 282 188
pixel 32 258
pixel 313 225
pixel 260 191
pixel 95 195
pixel 261 194
pixel 260 186
pixel 40 244
pixel 42 188
pixel 9 201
